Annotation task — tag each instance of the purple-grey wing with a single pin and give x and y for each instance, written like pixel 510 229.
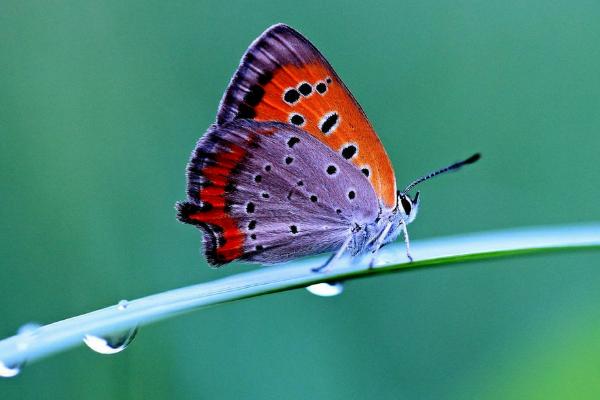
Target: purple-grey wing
pixel 289 195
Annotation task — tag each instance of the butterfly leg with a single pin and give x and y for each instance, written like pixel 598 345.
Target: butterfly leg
pixel 378 243
pixel 406 241
pixel 335 256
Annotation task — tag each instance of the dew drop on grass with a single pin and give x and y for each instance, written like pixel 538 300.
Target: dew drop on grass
pixel 27 333
pixel 324 289
pixel 9 371
pixel 110 344
pixel 29 328
pixel 122 305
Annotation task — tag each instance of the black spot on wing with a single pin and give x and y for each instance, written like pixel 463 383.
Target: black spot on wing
pixel 305 89
pixel 265 77
pixel 245 111
pixel 349 151
pixel 291 96
pixel 297 119
pixel 321 87
pixel 329 122
pixel 292 141
pixel 254 95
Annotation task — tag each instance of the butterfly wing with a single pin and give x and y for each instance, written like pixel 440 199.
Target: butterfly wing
pixel 270 192
pixel 283 77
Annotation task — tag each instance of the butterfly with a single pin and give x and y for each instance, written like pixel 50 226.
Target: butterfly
pixel 292 167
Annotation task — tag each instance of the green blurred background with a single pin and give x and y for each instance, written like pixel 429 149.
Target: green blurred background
pixel 102 102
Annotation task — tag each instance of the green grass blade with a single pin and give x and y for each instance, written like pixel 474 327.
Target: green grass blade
pixel 62 335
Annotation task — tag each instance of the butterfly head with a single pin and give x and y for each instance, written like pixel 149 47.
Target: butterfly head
pixel 407 206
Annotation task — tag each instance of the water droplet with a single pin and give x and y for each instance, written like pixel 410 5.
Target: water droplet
pixel 110 344
pixel 7 371
pixel 326 289
pixel 27 332
pixel 28 328
pixel 122 305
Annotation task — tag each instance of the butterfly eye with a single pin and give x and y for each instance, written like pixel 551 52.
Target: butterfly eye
pixel 405 205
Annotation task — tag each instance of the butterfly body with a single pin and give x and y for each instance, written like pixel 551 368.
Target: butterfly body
pixel 292 166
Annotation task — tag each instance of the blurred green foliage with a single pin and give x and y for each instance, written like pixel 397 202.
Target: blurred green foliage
pixel 102 102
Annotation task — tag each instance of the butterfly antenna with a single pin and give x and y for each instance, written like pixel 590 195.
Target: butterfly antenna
pixel 452 167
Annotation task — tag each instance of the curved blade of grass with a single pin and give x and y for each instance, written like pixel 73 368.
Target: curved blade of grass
pixel 61 335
